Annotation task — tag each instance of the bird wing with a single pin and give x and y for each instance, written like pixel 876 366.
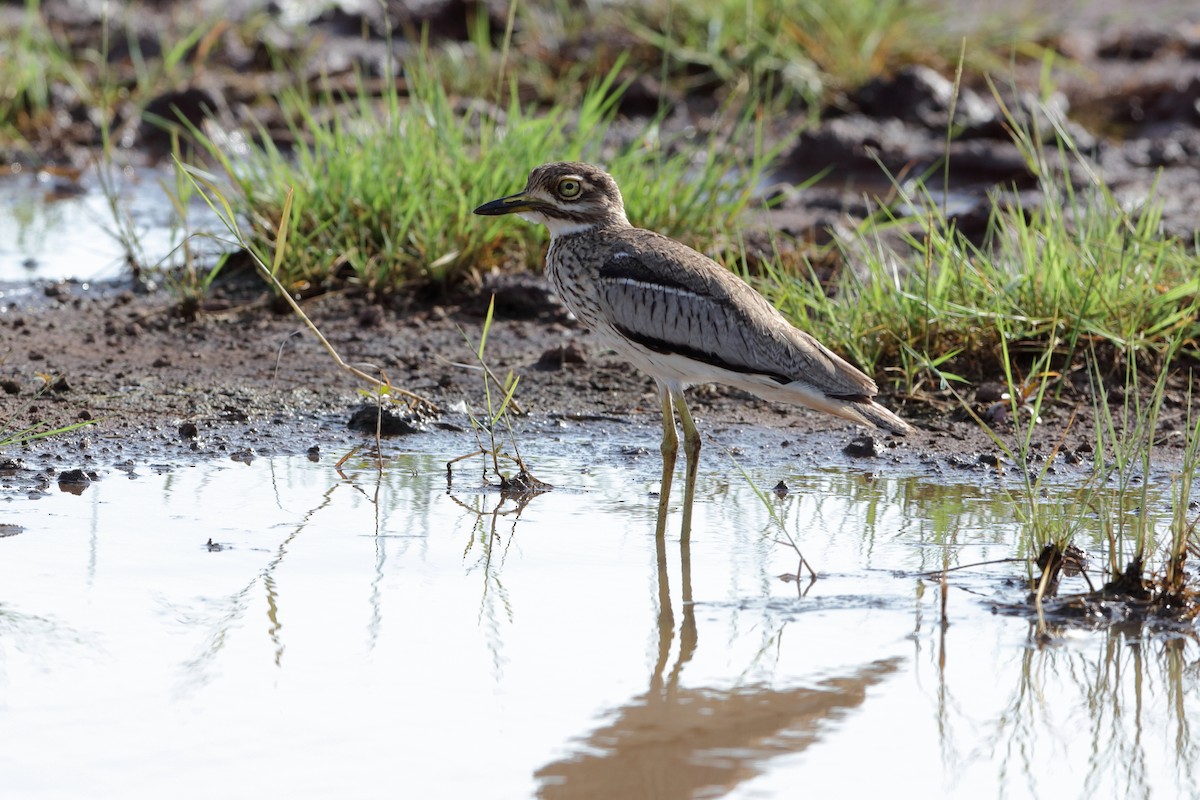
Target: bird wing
pixel 667 297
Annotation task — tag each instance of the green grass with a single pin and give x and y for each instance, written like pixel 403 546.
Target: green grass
pixel 32 61
pixel 1145 554
pixel 14 433
pixel 1119 519
pixel 384 187
pixel 1081 282
pixel 1079 269
pixel 816 49
pixel 35 59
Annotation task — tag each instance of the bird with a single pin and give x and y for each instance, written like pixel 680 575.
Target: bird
pixel 678 315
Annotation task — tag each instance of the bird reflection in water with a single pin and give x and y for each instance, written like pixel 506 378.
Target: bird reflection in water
pixel 677 741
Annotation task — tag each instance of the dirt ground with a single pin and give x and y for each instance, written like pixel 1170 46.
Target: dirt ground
pixel 243 378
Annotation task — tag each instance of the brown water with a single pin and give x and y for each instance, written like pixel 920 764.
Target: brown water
pixel 367 635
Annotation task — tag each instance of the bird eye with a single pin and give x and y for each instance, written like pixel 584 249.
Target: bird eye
pixel 569 188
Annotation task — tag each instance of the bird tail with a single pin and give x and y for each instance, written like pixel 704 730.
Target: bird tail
pixel 858 408
pixel 866 411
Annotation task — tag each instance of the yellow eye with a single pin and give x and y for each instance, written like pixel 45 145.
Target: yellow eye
pixel 569 188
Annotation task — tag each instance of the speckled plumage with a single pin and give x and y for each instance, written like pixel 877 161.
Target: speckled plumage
pixel 674 312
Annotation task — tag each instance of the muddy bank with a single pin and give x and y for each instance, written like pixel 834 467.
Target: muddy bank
pixel 244 379
pixel 237 378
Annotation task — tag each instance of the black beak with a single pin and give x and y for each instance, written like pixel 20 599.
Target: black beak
pixel 513 204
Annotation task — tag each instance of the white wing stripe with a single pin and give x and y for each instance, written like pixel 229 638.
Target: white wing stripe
pixel 657 288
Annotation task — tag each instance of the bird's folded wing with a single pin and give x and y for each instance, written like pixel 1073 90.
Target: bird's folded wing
pixel 673 299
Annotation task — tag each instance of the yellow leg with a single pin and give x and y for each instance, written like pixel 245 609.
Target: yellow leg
pixel 670 449
pixel 691 451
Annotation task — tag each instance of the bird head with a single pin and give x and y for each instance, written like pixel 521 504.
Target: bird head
pixel 567 197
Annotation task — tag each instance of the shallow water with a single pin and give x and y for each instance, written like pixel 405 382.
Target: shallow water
pixel 362 634
pixel 62 226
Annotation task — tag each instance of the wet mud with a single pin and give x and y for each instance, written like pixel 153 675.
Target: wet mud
pixel 246 378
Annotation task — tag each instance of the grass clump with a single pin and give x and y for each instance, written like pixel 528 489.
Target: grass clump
pixel 384 187
pixel 31 62
pixel 1120 505
pixel 1146 555
pixel 1079 286
pixel 1144 530
pixel 493 424
pixel 815 49
pixel 1079 269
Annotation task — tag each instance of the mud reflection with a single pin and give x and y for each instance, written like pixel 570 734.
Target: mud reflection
pixel 680 742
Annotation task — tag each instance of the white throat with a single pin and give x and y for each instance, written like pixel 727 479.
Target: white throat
pixel 559 227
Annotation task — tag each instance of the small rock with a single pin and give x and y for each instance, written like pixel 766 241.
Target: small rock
pixel 73 481
pixel 921 95
pixel 853 143
pixel 369 418
pixel 1135 45
pixel 191 105
pixel 990 393
pixel 188 430
pixel 370 316
pixel 518 296
pixel 864 446
pixel 557 357
pixel 644 96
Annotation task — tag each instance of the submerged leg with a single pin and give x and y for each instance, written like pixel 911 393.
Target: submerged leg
pixel 691 451
pixel 670 449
